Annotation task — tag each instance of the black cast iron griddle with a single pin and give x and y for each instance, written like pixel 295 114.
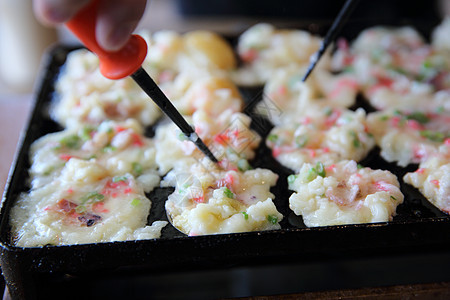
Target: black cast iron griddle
pixel 419 227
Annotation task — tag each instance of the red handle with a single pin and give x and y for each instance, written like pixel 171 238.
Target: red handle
pixel 113 65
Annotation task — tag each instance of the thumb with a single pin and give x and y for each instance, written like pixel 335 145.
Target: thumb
pixel 116 21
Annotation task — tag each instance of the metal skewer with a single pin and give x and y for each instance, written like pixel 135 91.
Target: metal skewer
pixel 335 28
pixel 154 92
pixel 127 62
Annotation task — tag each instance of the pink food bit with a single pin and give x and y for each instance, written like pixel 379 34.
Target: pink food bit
pixel 70 191
pixel 306 121
pixel 221 183
pixel 118 129
pixel 447 142
pixel 276 151
pixel 199 199
pixel 330 168
pixel 413 124
pixel 99 207
pixel 198 130
pixel 117 184
pixel 326 150
pixel 47 208
pixel 348 60
pixel 342 44
pixel 282 90
pixel 312 152
pixel 111 188
pixel 435 182
pixel 382 82
pixel 419 153
pixel 395 121
pixel 331 120
pixel 222 138
pixel 65 157
pixel 355 179
pixel 382 186
pixel 229 179
pixel 137 139
pixel 342 85
pixel 127 190
pixel 420 171
pixel 249 55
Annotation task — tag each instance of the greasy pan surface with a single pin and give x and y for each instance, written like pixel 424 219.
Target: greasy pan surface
pixel 418 227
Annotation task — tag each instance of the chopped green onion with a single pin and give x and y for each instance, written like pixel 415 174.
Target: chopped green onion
pixel 243 165
pixel 384 118
pixel 272 138
pixel 356 141
pixel 80 209
pixel 137 168
pixel 291 179
pixel 348 69
pixel 427 64
pixel 228 193
pixel 71 141
pixel 92 197
pixel 320 169
pixel 434 136
pixel 328 111
pixel 182 137
pixel 272 219
pixel 245 215
pixel 119 178
pixel 85 133
pixel 312 174
pixel 301 141
pixel 109 149
pixel 393 198
pixel 135 202
pixel 359 166
pixel 419 117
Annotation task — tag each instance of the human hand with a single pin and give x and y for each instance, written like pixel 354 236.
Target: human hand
pixel 116 19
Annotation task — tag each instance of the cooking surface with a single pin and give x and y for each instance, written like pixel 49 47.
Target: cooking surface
pixel 418 228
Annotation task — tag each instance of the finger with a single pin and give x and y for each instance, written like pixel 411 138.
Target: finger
pixel 51 12
pixel 117 19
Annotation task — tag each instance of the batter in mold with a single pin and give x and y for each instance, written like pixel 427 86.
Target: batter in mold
pixel 264 49
pixel 228 136
pixel 409 136
pixel 214 201
pixel 322 134
pixel 85 204
pixel 432 178
pixel 343 193
pixel 119 147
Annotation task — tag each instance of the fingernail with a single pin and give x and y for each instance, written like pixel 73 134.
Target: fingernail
pixel 117 38
pixel 58 15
